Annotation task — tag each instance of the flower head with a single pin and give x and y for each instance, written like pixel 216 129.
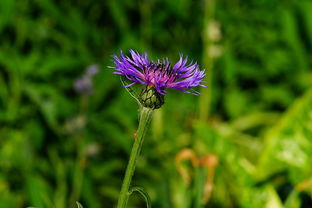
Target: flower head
pixel 159 74
pixel 84 84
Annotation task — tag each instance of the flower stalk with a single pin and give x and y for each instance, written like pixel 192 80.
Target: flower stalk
pixel 156 76
pixel 145 118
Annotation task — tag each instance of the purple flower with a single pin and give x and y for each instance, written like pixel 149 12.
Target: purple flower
pixel 159 74
pixel 84 84
pixel 92 70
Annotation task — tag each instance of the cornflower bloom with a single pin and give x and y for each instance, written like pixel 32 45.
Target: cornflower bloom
pixel 158 75
pixel 84 84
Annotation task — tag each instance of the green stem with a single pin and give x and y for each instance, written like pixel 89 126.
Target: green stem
pixel 199 187
pixel 145 117
pixel 205 100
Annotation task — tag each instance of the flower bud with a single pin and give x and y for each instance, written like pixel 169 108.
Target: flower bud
pixel 151 98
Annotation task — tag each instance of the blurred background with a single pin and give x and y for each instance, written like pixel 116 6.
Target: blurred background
pixel 67 124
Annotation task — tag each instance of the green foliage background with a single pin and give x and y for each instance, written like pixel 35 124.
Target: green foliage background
pixel 59 147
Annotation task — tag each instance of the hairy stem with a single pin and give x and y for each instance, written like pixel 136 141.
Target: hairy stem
pixel 145 117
